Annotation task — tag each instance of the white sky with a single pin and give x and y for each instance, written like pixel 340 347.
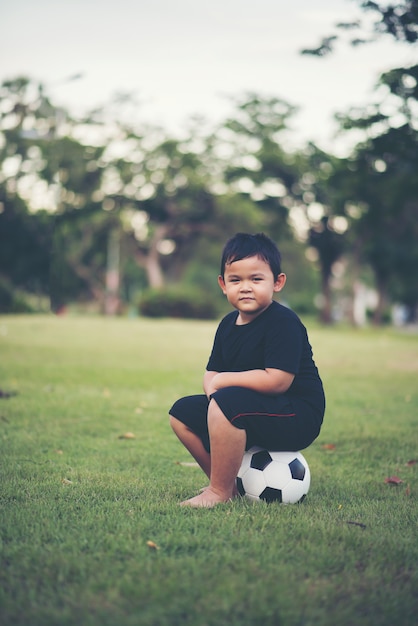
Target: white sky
pixel 185 57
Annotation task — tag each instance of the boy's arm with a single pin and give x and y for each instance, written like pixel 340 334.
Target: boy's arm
pixel 269 380
pixel 207 382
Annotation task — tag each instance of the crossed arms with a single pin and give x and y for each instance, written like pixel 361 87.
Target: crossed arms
pixel 269 380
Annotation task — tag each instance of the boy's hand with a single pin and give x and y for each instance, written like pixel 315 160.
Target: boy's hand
pixel 208 384
pixel 269 381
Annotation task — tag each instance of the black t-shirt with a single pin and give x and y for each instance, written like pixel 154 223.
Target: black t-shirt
pixel 276 338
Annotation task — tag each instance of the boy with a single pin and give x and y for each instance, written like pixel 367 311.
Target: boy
pixel 261 384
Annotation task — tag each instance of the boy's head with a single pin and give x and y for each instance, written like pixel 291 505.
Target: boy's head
pixel 243 245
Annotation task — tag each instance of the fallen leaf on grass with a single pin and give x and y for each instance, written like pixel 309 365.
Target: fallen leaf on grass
pixel 412 462
pixel 328 446
pixel 393 480
pixel 153 545
pixel 65 481
pixel 127 436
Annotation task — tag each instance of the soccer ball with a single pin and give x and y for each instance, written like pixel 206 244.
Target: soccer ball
pixel 274 476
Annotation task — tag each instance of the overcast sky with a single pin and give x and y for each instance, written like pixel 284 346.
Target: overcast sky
pixel 184 57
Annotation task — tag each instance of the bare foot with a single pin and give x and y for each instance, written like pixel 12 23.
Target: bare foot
pixel 235 492
pixel 207 499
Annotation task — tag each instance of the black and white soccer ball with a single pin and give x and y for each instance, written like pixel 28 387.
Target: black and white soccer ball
pixel 274 476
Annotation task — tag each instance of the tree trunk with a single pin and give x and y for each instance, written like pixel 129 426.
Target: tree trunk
pixel 153 268
pixel 150 260
pixel 326 309
pixel 381 302
pixel 112 301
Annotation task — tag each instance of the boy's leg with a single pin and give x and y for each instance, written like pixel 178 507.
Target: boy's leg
pixel 192 443
pixel 227 444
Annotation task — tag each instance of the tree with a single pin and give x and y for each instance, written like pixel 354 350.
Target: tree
pixel 167 193
pixel 256 164
pixel 384 184
pixel 382 198
pixel 25 237
pixel 25 241
pixel 54 176
pixel 329 246
pixel 398 20
pixel 133 190
pixel 284 185
pixel 380 181
pixel 323 230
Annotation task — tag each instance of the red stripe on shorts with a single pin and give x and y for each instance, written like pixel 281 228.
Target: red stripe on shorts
pixel 265 414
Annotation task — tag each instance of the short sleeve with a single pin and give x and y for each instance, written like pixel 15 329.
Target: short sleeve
pixel 284 345
pixel 215 363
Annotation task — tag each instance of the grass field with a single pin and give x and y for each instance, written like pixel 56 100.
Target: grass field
pixel 91 530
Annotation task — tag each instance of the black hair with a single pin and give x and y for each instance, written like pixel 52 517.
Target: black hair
pixel 243 245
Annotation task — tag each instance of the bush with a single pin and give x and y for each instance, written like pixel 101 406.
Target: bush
pixel 177 302
pixel 11 302
pixel 303 304
pixel 6 297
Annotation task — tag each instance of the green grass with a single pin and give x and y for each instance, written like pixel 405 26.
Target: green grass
pixel 79 503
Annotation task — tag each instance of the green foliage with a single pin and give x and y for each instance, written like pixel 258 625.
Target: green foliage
pixel 11 301
pixel 398 20
pixel 303 280
pixel 259 168
pixel 329 245
pixel 379 180
pixel 78 270
pixel 6 297
pixel 179 302
pixel 79 502
pixel 25 242
pixel 169 200
pixel 303 304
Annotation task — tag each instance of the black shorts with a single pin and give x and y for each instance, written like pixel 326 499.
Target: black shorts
pixel 272 422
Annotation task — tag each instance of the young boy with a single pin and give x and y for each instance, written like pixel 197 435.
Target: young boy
pixel 261 384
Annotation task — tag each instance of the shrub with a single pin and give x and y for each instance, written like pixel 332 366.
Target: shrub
pixel 303 304
pixel 6 297
pixel 11 302
pixel 177 302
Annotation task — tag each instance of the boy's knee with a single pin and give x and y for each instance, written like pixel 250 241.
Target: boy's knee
pixel 174 422
pixel 215 413
pixel 177 425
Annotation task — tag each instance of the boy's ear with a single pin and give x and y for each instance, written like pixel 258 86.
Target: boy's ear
pixel 280 282
pixel 221 284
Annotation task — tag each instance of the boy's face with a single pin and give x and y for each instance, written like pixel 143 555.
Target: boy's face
pixel 249 285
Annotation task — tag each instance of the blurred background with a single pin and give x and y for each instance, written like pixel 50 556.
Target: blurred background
pixel 136 137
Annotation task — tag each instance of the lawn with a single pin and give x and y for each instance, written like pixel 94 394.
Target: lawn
pixel 91 477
